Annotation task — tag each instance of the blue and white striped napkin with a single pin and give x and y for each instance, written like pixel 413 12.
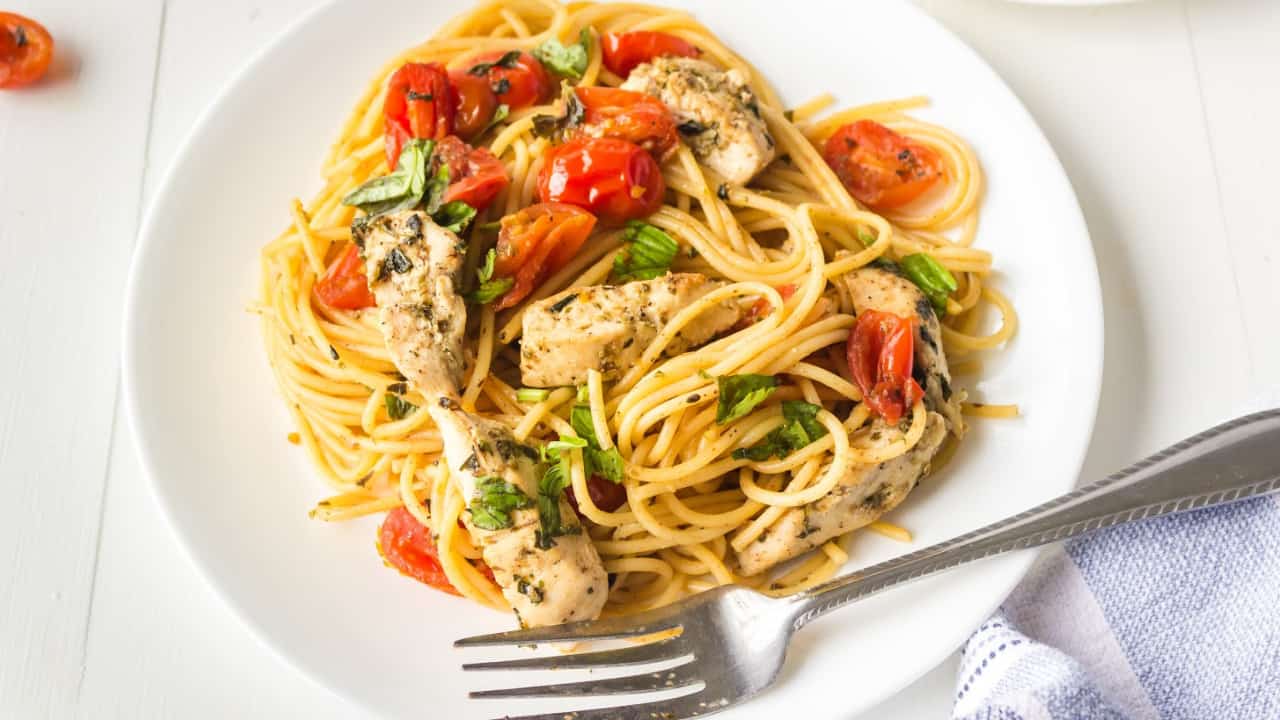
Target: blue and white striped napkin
pixel 1176 617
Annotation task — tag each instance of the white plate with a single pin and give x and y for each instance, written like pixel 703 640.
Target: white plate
pixel 211 428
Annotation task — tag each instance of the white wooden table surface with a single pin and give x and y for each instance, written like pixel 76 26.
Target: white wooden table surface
pixel 1164 113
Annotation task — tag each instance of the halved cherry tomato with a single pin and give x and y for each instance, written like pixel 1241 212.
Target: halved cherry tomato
pixel 761 307
pixel 608 496
pixel 525 83
pixel 615 179
pixel 475 175
pixel 344 285
pixel 406 545
pixel 880 354
pixel 26 49
pixel 624 51
pixel 880 167
pixel 419 104
pixel 536 242
pixel 475 103
pixel 626 115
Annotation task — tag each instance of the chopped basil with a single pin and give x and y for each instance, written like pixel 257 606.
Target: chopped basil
pixel 433 196
pixel 691 127
pixel 20 36
pixel 397 407
pixel 454 215
pixel 490 288
pixel 866 238
pixel 739 394
pixel 563 302
pixel 397 262
pixel 509 60
pixel 608 464
pixel 799 428
pixel 529 396
pixel 935 281
pixel 648 256
pixel 403 188
pixel 494 501
pixel 499 114
pixel 555 126
pixel 501 87
pixel 566 61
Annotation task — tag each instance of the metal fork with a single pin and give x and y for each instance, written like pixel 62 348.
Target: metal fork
pixel 731 641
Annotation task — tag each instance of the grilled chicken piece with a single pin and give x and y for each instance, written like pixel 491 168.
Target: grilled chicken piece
pixel 413 266
pixel 559 584
pixel 864 494
pixel 881 287
pixel 608 327
pixel 716 112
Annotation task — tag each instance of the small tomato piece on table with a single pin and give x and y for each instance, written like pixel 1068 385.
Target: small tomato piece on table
pixel 419 104
pixel 344 285
pixel 518 80
pixel 625 115
pixel 623 51
pixel 881 353
pixel 536 242
pixel 26 49
pixel 476 176
pixel 881 168
pixel 406 545
pixel 614 179
pixel 475 104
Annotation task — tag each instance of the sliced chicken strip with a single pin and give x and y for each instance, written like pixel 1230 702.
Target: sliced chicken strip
pixel 861 497
pixel 717 114
pixel 882 287
pixel 608 327
pixel 413 266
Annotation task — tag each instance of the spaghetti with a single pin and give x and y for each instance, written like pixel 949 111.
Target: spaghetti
pixel 690 503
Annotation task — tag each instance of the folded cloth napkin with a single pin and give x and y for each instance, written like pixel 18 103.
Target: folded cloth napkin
pixel 1175 617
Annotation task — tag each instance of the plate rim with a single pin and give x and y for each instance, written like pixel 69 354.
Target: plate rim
pixel 143 447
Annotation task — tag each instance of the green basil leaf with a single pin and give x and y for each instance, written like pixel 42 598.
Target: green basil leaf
pixel 935 281
pixel 739 394
pixel 397 407
pixel 649 255
pixel 509 60
pixel 402 189
pixel 491 290
pixel 799 428
pixel 485 272
pixel 454 216
pixel 566 61
pixel 608 464
pixel 494 501
pixel 529 396
pixel 502 112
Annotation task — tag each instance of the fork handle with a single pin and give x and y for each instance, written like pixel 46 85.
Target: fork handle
pixel 1233 461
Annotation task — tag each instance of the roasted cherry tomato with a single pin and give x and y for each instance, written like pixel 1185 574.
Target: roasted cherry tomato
pixel 475 175
pixel 761 307
pixel 614 179
pixel 880 167
pixel 419 104
pixel 520 82
pixel 344 285
pixel 26 49
pixel 406 545
pixel 536 242
pixel 881 353
pixel 624 51
pixel 475 104
pixel 626 115
pixel 608 496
